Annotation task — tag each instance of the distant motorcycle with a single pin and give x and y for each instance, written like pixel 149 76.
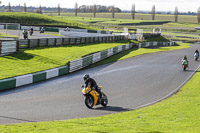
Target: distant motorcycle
pixel 25 35
pixel 31 32
pixel 42 31
pixel 184 64
pixel 196 56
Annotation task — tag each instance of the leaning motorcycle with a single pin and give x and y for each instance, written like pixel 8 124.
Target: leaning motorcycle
pixel 92 97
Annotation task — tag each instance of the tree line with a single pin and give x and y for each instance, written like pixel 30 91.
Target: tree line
pixel 92 9
pixel 153 13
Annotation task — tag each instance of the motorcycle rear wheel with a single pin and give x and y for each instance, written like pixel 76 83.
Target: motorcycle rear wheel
pixel 104 100
pixel 89 101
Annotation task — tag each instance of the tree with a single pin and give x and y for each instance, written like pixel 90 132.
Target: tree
pixel 176 14
pixel 40 9
pixel 25 7
pixel 9 7
pixel 133 11
pixel 113 12
pixel 198 15
pixel 58 9
pixel 153 12
pixel 76 9
pixel 94 10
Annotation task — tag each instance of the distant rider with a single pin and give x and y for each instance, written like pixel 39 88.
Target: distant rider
pixel 91 83
pixel 25 33
pixel 42 30
pixel 196 52
pixel 31 31
pixel 185 61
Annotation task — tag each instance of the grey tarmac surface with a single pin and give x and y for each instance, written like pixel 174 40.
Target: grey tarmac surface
pixel 37 34
pixel 129 84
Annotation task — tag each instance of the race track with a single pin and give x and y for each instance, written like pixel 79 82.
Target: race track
pixel 129 84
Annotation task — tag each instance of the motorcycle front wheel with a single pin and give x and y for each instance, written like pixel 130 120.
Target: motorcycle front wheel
pixel 89 101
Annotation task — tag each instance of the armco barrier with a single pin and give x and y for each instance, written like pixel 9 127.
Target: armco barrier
pixel 63 30
pixel 151 44
pixel 90 59
pixel 8 47
pixel 31 43
pixel 32 78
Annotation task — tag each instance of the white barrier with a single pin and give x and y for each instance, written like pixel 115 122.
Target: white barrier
pixel 149 44
pixel 93 58
pixel 51 73
pixel 29 27
pixel 24 79
pixel 8 48
pixel 1 26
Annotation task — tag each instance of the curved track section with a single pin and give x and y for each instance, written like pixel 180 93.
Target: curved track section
pixel 129 84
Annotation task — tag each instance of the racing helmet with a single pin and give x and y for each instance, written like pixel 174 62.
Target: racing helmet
pixel 86 77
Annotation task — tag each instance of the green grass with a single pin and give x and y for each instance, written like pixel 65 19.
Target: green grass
pixel 184 39
pixel 179 34
pixel 26 18
pixel 136 52
pixel 38 59
pixel 139 16
pixel 157 39
pixel 186 23
pixel 108 20
pixel 52 34
pixel 179 113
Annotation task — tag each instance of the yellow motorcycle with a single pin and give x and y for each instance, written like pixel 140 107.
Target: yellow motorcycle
pixel 92 97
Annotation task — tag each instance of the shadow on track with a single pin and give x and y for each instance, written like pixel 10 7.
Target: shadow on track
pixel 113 108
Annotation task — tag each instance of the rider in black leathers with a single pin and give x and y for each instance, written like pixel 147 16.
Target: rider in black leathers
pixel 92 83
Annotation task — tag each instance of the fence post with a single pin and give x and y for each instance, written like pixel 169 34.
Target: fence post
pixel 69 40
pixel 0 47
pixel 17 46
pixel 47 42
pixel 29 45
pixel 55 42
pixel 75 41
pixel 62 42
pixel 81 40
pixel 38 42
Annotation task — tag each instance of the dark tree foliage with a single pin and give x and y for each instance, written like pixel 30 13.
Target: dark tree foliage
pixel 76 9
pixel 58 9
pixel 198 15
pixel 176 14
pixel 113 12
pixel 94 10
pixel 153 12
pixel 40 9
pixel 99 8
pixel 25 10
pixel 133 11
pixel 9 7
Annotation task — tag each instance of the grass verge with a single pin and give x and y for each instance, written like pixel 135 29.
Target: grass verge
pixel 180 113
pixel 136 52
pixel 43 58
pixel 25 18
